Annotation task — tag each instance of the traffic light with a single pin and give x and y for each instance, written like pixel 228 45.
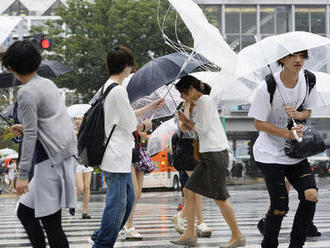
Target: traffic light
pixel 42 43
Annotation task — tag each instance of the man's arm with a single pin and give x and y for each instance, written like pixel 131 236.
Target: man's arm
pixel 298 115
pixel 276 131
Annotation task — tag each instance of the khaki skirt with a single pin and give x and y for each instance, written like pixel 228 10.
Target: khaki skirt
pixel 209 177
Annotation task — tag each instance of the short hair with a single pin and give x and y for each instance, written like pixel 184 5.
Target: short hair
pixel 304 52
pixel 188 81
pixel 118 59
pixel 22 57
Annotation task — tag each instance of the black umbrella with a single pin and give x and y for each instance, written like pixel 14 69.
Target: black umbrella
pixel 159 72
pixel 47 69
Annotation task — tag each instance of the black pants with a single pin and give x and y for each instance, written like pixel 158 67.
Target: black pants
pixel 51 223
pixel 301 178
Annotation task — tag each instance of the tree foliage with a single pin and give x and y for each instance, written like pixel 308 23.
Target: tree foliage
pixel 94 28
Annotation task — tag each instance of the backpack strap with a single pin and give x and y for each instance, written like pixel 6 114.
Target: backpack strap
pixel 271 86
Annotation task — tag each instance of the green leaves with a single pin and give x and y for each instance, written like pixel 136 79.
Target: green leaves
pixel 93 29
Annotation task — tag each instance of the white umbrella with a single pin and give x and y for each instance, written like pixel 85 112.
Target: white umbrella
pixel 208 40
pixel 323 88
pixel 13 156
pixel 78 110
pixel 161 137
pixel 7 151
pixel 255 58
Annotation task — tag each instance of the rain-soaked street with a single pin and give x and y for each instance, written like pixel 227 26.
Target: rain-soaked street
pixel 153 219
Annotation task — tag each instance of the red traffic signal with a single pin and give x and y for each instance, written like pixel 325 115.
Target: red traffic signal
pixel 46 44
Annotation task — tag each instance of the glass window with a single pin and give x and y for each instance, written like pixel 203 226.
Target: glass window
pixel 16 9
pixel 232 16
pixel 311 19
pixel 249 20
pixel 283 14
pixel 213 14
pixel 234 42
pixel 267 20
pixel 247 40
pixel 52 10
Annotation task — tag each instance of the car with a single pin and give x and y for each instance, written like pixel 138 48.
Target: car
pixel 320 165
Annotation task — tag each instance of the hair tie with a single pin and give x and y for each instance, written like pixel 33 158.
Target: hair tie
pixel 201 86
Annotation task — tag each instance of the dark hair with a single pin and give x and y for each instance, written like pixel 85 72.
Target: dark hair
pixel 118 59
pixel 304 53
pixel 188 81
pixel 22 57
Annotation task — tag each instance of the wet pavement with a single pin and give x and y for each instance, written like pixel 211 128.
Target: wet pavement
pixel 155 210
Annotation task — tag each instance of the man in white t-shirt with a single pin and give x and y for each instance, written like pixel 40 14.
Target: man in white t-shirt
pixel 271 118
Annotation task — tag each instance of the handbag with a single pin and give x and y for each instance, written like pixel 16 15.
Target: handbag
pixel 312 142
pixel 144 162
pixel 183 153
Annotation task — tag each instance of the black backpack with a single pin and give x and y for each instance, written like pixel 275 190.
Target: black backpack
pixel 183 153
pixel 92 140
pixel 271 84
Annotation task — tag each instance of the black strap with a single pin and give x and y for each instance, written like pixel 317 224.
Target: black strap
pixel 271 84
pixel 102 97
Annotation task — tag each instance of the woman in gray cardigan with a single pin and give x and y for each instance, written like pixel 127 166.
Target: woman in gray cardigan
pixel 49 131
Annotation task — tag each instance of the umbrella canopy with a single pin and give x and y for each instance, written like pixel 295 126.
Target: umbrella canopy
pixel 7 151
pixel 323 88
pixel 47 69
pixel 172 100
pixel 161 71
pixel 208 40
pixel 255 58
pixel 8 111
pixel 78 110
pixel 161 137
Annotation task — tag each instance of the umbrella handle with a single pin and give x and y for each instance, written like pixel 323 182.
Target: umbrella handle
pixel 299 139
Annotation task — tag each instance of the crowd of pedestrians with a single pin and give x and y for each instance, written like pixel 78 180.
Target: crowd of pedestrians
pixel 50 142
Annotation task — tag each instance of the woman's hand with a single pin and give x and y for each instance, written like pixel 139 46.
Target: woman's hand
pixel 158 103
pixel 293 113
pixel 17 129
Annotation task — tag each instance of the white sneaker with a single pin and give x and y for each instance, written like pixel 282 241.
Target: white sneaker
pixel 202 230
pixel 179 223
pixel 131 234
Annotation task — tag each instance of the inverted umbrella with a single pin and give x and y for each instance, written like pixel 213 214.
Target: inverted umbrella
pixel 161 71
pixel 47 69
pixel 255 58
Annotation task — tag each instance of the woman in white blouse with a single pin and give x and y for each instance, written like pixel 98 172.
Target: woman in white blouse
pixel 209 177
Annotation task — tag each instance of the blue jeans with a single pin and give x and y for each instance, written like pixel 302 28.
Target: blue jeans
pixel 119 203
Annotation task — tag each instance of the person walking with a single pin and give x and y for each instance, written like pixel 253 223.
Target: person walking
pixel 83 177
pixel 48 130
pixel 271 116
pixel 209 178
pixel 116 163
pixel 188 165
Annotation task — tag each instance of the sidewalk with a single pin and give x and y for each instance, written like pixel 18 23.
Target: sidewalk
pixel 6 195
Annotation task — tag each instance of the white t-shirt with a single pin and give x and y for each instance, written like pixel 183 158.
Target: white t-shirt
pixel 269 148
pixel 117 110
pixel 211 135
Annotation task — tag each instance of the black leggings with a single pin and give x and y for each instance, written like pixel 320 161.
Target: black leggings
pixel 51 223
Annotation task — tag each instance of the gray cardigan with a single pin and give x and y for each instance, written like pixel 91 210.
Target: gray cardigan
pixel 44 116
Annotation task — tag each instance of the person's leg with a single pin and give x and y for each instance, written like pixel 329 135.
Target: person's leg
pixel 79 183
pixel 31 225
pixel 190 203
pixel 199 211
pixel 87 188
pixel 129 223
pixel 53 227
pixel 303 180
pixel 228 214
pixel 274 178
pixel 119 202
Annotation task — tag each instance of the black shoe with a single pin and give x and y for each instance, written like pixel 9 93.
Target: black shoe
pixel 92 238
pixel 313 232
pixel 85 216
pixel 72 211
pixel 261 225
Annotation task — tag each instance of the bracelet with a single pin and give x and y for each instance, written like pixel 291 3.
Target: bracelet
pixel 144 128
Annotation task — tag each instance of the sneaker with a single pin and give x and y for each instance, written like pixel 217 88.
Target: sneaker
pixel 179 223
pixel 131 234
pixel 203 231
pixel 72 211
pixel 85 216
pixel 313 232
pixel 92 238
pixel 261 225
